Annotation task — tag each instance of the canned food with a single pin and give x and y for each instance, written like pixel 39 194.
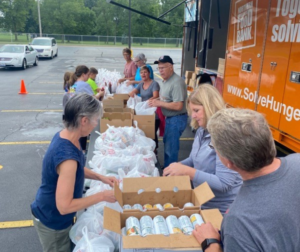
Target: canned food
pixel 126 207
pixel 168 205
pixel 158 206
pixel 160 225
pixel 189 204
pixel 137 206
pixel 133 226
pixel 196 219
pixel 185 224
pixel 147 206
pixel 173 224
pixel 146 223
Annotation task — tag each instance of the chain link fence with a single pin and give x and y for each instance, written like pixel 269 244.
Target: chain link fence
pixel 93 40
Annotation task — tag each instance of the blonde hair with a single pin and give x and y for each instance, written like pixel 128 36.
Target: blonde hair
pixel 208 97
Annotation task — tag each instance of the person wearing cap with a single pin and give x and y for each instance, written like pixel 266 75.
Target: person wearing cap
pixel 173 96
pixel 265 214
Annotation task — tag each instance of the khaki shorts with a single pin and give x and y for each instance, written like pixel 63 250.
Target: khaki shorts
pixel 53 240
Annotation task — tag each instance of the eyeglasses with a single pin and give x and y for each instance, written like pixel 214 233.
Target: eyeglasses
pixel 161 68
pixel 211 146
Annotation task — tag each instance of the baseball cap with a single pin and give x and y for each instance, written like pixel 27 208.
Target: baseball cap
pixel 164 59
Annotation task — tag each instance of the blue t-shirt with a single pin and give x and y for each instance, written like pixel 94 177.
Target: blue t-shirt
pixel 83 87
pixel 44 205
pixel 138 76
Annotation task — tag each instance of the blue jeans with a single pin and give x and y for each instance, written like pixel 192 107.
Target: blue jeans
pixel 175 125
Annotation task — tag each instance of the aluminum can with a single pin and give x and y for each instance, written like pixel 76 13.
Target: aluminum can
pixel 158 206
pixel 147 227
pixel 133 226
pixel 185 224
pixel 160 225
pixel 127 207
pixel 189 204
pixel 168 205
pixel 196 219
pixel 137 206
pixel 147 206
pixel 173 224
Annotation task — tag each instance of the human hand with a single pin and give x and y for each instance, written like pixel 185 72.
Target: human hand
pixel 154 103
pixel 128 83
pixel 120 81
pixel 131 94
pixel 108 196
pixel 109 180
pixel 206 231
pixel 175 169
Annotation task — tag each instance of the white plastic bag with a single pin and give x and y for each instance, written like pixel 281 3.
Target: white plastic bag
pixel 92 220
pixel 143 108
pixel 94 243
pixel 132 101
pixel 124 89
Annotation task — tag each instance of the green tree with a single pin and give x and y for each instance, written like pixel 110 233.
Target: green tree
pixel 14 15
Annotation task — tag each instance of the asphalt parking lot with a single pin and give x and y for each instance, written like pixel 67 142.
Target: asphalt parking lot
pixel 28 123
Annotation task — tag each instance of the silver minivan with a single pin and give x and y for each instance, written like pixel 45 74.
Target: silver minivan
pixel 46 47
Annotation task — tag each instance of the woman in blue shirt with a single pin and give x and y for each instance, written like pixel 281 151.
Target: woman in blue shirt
pixel 140 60
pixel 60 194
pixel 203 164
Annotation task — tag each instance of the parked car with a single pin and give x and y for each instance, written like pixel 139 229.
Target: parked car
pixel 46 47
pixel 18 56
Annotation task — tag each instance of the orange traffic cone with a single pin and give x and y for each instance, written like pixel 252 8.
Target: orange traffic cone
pixel 23 88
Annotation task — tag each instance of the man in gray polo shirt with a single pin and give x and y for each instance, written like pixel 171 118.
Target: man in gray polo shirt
pixel 173 95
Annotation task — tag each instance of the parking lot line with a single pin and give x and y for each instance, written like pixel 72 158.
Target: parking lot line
pixel 157 75
pixel 50 82
pixel 45 93
pixel 1 166
pixel 16 224
pixel 32 110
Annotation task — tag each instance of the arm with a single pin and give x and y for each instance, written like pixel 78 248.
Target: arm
pixel 207 231
pixel 155 95
pixel 221 181
pixel 133 82
pixel 89 174
pixel 133 92
pixel 177 106
pixel 65 202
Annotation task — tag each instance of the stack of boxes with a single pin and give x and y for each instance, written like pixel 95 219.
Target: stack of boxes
pixel 191 81
pixel 160 190
pixel 116 114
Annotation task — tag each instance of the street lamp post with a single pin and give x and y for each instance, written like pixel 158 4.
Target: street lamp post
pixel 39 14
pixel 129 27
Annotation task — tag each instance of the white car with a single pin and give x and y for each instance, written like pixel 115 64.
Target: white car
pixel 18 56
pixel 46 47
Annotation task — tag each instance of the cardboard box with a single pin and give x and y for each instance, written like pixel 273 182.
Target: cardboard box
pixel 176 190
pixel 194 76
pixel 147 124
pixel 173 189
pixel 115 119
pixel 117 101
pixel 188 74
pixel 119 110
pixel 192 83
pixel 187 81
pixel 221 67
pixel 121 249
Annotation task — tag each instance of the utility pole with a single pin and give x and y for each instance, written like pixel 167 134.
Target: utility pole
pixel 129 27
pixel 39 14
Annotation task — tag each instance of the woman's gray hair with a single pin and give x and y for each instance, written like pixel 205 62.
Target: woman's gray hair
pixel 141 57
pixel 242 136
pixel 80 105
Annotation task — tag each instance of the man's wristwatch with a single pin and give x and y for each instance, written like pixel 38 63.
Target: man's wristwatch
pixel 205 244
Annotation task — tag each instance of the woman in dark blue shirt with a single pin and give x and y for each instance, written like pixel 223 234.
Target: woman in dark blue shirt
pixel 60 194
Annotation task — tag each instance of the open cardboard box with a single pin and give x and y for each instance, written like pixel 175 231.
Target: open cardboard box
pixel 115 119
pixel 117 101
pixel 115 221
pixel 153 190
pixel 183 193
pixel 145 122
